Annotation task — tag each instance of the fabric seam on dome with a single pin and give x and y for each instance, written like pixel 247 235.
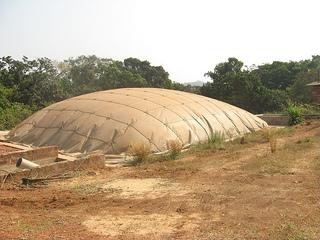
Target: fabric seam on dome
pixel 227 115
pixel 128 106
pixel 204 108
pixel 200 105
pixel 182 103
pixel 81 134
pixel 245 122
pixel 164 107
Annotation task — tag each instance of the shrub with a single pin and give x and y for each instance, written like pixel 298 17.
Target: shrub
pixel 295 113
pixel 14 114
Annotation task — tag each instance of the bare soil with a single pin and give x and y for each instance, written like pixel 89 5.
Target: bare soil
pixel 242 191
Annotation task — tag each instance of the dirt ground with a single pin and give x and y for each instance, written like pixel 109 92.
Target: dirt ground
pixel 239 191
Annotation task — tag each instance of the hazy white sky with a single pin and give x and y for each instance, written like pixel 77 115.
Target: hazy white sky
pixel 186 37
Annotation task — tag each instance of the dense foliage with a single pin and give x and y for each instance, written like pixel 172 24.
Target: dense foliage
pixel 28 85
pixel 265 88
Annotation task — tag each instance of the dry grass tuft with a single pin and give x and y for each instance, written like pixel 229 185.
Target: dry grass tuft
pixel 140 152
pixel 175 148
pixel 271 135
pixel 273 145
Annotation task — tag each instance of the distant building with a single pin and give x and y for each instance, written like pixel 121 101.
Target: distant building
pixel 315 91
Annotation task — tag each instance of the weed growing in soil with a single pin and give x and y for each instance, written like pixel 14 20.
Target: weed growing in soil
pixel 86 189
pixel 175 148
pixel 289 232
pixel 214 142
pixel 316 163
pixel 140 152
pixel 217 139
pixel 271 136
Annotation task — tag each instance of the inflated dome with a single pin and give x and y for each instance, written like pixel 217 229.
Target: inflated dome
pixel 109 121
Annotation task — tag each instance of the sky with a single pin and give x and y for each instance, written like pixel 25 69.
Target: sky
pixel 187 37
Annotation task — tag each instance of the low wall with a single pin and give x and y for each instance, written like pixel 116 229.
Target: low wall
pixel 275 119
pixel 283 119
pixel 42 153
pixel 311 116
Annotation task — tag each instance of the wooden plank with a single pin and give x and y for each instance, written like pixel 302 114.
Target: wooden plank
pixel 14 145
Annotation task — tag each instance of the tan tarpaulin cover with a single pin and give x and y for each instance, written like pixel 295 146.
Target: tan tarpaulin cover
pixel 109 121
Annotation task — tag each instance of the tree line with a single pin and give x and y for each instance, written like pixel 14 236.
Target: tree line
pixel 28 85
pixel 265 88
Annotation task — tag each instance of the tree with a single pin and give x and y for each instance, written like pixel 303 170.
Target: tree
pixel 223 78
pixel 155 76
pixel 299 91
pixel 32 82
pixel 242 87
pixel 5 94
pixel 116 75
pixel 279 75
pixel 90 73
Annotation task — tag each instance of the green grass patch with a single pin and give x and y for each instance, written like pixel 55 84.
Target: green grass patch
pixel 214 143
